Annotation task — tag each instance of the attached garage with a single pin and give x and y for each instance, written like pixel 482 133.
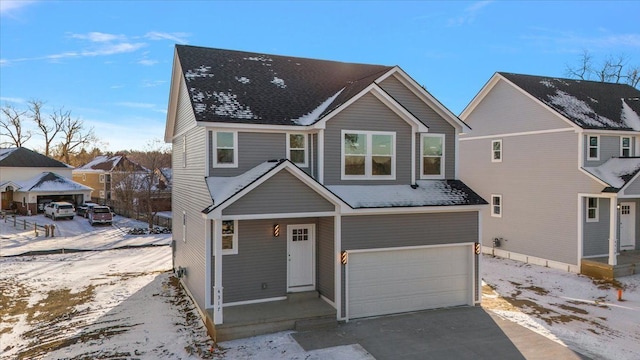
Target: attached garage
pixel 387 281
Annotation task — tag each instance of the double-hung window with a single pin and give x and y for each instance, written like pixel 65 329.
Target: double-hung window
pixel 229 237
pixel 625 146
pixel 225 145
pixel 432 153
pixel 496 205
pixel 592 209
pixel 496 151
pixel 593 152
pixel 297 149
pixel 368 155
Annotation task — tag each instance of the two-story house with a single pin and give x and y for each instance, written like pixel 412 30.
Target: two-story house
pixel 29 180
pixel 300 175
pixel 558 161
pixel 99 174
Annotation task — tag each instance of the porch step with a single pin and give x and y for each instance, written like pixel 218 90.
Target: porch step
pixel 302 296
pixel 328 322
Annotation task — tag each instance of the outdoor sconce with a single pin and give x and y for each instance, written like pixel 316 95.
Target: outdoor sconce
pixel 344 257
pixel 276 230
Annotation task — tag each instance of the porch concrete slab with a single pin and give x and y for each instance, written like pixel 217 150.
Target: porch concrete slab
pixel 454 333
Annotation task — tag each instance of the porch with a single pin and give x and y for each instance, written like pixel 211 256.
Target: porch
pixel 300 311
pixel 628 263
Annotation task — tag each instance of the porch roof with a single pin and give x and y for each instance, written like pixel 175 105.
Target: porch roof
pixel 616 172
pixel 50 182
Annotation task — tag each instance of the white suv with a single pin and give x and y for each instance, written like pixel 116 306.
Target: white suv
pixel 56 210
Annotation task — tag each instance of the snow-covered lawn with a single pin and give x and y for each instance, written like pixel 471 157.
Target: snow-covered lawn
pixel 575 310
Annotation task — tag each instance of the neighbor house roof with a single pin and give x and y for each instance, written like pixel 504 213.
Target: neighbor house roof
pixel 236 86
pixel 588 104
pixel 616 172
pixel 49 181
pixel 111 163
pixel 23 157
pixel 426 193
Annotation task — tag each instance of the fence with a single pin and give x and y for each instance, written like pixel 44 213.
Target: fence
pixel 47 230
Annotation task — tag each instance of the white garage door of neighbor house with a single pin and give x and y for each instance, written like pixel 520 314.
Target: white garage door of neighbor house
pixel 395 281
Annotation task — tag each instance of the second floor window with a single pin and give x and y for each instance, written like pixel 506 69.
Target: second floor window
pixel 496 151
pixel 594 147
pixel 226 150
pixel 625 146
pixel 297 149
pixel 101 178
pixel 368 155
pixel 432 164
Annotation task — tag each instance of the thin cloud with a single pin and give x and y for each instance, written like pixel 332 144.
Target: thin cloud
pixel 12 100
pixel 566 41
pixel 469 14
pixel 9 6
pixel 177 37
pixel 136 105
pixel 98 37
pixel 147 62
pixel 152 83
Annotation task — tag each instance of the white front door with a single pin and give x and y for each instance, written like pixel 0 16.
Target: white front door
pixel 301 259
pixel 627 226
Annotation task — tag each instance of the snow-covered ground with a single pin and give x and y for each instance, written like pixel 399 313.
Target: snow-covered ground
pixel 575 310
pixel 124 302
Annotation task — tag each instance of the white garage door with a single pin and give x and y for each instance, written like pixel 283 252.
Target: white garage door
pixel 395 281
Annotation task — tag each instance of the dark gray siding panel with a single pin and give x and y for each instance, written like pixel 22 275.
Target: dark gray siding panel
pixel 366 114
pixel 283 193
pixel 609 147
pixel 633 188
pixel 436 124
pixel 596 234
pixel 326 257
pixel 381 231
pixel 253 149
pixel 261 259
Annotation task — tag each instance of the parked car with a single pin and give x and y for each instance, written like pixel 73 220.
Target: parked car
pixel 99 214
pixel 59 209
pixel 83 210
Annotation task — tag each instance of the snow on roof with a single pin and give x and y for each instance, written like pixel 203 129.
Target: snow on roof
pixel 312 117
pixel 629 116
pixel 99 162
pixel 616 171
pixel 575 108
pixel 49 181
pixel 222 188
pixel 427 193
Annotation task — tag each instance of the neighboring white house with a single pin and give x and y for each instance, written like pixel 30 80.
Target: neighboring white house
pixel 558 161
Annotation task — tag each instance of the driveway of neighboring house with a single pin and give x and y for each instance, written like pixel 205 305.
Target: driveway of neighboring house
pixel 454 333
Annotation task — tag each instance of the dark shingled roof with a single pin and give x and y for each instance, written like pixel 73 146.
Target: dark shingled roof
pixel 23 157
pixel 588 104
pixel 112 163
pixel 235 86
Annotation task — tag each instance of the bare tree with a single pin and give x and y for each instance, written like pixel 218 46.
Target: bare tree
pixel 613 69
pixel 583 69
pixel 633 76
pixel 11 125
pixel 48 129
pixel 74 138
pixel 154 190
pixel 127 180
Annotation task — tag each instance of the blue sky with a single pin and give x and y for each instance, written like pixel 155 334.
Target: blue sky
pixel 109 62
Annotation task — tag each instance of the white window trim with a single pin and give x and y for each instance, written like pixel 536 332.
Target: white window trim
pixel 493 213
pixel 597 157
pixel 214 150
pixel 368 156
pixel 442 158
pixel 628 147
pixel 101 178
pixel 597 208
pixel 101 194
pixel 493 151
pixel 234 250
pixel 306 149
pixel 84 177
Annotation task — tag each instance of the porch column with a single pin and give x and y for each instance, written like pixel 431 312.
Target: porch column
pixel 217 279
pixel 321 156
pixel 613 230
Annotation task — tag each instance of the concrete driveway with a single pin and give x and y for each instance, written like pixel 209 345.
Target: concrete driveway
pixel 455 333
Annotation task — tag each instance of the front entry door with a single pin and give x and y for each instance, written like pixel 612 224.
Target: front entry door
pixel 301 274
pixel 627 226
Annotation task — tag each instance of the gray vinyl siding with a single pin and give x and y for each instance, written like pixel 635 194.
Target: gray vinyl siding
pixel 190 194
pixel 366 114
pixel 261 259
pixel 185 118
pixel 326 258
pixel 253 149
pixel 435 122
pixel 282 193
pixel 508 110
pixel 609 147
pixel 633 188
pixel 386 231
pixel 539 181
pixel 596 234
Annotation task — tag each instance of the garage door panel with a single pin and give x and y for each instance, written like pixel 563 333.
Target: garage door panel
pixel 393 281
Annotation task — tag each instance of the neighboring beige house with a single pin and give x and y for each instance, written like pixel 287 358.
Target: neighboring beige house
pixel 558 160
pixel 28 180
pixel 98 174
